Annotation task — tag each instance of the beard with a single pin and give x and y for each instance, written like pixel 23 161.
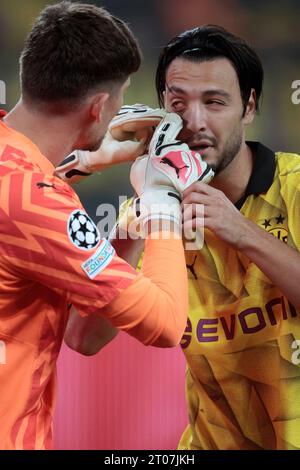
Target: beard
pixel 222 156
pixel 231 149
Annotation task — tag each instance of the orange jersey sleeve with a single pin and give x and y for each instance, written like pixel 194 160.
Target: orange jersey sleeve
pixel 51 256
pixel 154 308
pixel 46 236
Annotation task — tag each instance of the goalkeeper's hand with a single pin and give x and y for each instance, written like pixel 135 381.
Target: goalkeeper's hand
pixel 136 122
pixel 127 138
pixel 161 178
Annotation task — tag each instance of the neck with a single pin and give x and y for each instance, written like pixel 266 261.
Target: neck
pixel 53 135
pixel 233 180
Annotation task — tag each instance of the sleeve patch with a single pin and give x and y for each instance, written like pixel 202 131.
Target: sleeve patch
pixel 82 231
pixel 99 260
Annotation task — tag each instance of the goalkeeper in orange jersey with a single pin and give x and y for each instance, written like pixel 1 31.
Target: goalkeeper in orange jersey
pixel 75 67
pixel 240 341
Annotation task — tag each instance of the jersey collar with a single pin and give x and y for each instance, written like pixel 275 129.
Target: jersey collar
pixel 262 175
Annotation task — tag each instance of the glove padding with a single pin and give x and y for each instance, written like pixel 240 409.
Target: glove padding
pixel 136 122
pixel 171 168
pixel 127 138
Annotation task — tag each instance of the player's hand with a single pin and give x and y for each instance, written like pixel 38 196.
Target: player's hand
pixel 217 214
pixel 170 168
pixel 136 122
pixel 127 138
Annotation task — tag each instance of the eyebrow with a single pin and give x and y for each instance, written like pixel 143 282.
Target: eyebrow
pixel 215 91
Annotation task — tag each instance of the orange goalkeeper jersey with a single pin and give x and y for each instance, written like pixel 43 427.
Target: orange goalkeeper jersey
pixel 52 256
pixel 49 252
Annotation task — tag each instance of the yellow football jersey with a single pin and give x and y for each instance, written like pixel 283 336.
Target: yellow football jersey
pixel 242 340
pixel 242 337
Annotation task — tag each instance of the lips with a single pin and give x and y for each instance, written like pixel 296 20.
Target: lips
pixel 200 146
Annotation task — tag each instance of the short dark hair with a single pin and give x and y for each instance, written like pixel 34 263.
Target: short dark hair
pixel 72 49
pixel 208 42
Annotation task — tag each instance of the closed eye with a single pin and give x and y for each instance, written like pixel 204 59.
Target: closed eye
pixel 217 102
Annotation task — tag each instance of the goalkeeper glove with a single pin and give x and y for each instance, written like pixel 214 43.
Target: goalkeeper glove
pixel 127 138
pixel 136 122
pixel 170 168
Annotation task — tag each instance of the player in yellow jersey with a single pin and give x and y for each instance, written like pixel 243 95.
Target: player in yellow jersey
pixel 242 335
pixel 75 67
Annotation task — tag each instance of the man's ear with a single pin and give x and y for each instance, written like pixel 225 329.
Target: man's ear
pixel 96 105
pixel 251 108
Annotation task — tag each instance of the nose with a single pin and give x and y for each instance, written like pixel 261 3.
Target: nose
pixel 195 118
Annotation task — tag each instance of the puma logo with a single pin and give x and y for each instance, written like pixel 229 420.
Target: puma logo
pixel 169 162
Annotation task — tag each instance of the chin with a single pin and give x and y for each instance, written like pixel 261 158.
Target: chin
pixel 212 160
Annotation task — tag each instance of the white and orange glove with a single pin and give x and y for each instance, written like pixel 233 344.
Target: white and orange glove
pixel 127 138
pixel 160 178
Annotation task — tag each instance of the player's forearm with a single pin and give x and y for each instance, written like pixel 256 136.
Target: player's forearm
pixel 87 335
pixel 279 262
pixel 154 308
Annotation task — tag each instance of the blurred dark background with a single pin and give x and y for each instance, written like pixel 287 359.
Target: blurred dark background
pixel 272 27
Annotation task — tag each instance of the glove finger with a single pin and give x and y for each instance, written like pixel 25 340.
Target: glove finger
pixel 166 132
pixel 202 169
pixel 133 108
pixel 138 173
pixel 136 113
pixel 132 129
